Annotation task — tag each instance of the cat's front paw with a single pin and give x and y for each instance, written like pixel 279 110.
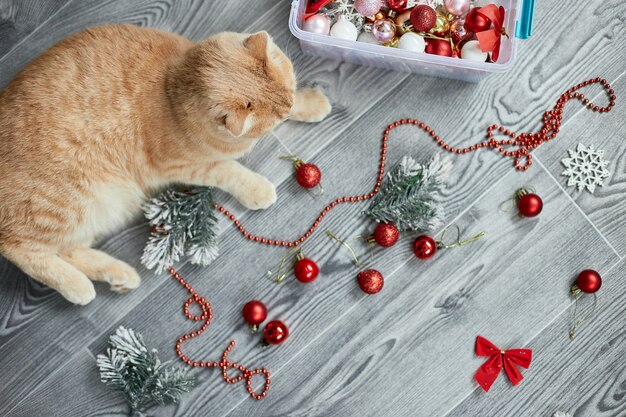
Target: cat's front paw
pixel 311 105
pixel 78 291
pixel 260 194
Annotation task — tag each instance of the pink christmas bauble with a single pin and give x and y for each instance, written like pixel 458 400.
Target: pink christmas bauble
pixel 368 7
pixel 457 7
pixel 384 30
pixel 317 24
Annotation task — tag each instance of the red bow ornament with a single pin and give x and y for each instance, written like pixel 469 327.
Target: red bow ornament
pixel 314 6
pixel 490 39
pixel 509 359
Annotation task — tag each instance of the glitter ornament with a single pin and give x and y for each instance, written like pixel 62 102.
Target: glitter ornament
pixel 368 7
pixel 412 42
pixel 276 332
pixel 438 47
pixel 476 21
pixel 385 235
pixel 423 18
pixel 471 51
pixel 254 313
pixel 458 32
pixel 318 24
pixel 585 168
pixel 370 281
pixel 457 7
pixel 344 29
pixel 306 270
pixel 398 5
pixel 383 30
pixel 308 175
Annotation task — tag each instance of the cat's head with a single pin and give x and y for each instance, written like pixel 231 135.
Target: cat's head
pixel 234 86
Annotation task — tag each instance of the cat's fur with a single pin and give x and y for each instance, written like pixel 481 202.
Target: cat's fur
pixel 106 116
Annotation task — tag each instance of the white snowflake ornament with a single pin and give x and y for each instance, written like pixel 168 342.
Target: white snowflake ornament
pixel 585 168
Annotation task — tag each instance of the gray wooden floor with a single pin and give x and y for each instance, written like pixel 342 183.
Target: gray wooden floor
pixel 407 351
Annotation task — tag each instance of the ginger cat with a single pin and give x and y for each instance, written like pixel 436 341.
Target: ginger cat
pixel 105 117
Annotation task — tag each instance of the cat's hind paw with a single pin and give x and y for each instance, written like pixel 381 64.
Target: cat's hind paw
pixel 311 105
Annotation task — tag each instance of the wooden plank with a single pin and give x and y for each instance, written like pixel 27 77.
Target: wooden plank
pixel 605 206
pixel 585 377
pixel 410 349
pixel 19 18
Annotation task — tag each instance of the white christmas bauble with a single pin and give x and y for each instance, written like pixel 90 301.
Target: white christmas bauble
pixel 367 38
pixel 471 50
pixel 344 29
pixel 317 24
pixel 412 42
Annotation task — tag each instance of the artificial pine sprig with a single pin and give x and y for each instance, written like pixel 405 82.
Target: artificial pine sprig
pixel 408 196
pixel 135 371
pixel 184 223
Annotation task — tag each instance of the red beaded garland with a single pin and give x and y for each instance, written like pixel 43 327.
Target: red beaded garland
pixel 425 247
pixel 306 270
pixel 522 158
pixel 276 332
pixel 206 316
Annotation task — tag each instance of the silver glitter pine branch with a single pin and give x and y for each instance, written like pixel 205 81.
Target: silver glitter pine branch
pixel 138 374
pixel 184 223
pixel 409 198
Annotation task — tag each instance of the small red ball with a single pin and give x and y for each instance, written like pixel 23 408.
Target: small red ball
pixel 386 235
pixel 398 5
pixel 425 247
pixel 423 18
pixel 529 205
pixel 370 281
pixel 476 21
pixel 308 175
pixel 254 312
pixel 438 47
pixel 306 270
pixel 589 281
pixel 276 332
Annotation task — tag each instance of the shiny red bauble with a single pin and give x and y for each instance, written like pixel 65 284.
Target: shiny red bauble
pixel 588 281
pixel 276 332
pixel 385 235
pixel 438 47
pixel 308 175
pixel 306 270
pixel 370 281
pixel 423 18
pixel 398 5
pixel 476 21
pixel 254 313
pixel 529 205
pixel 425 247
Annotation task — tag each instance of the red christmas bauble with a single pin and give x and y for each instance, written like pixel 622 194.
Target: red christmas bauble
pixel 308 175
pixel 423 18
pixel 476 21
pixel 276 332
pixel 438 47
pixel 254 313
pixel 589 281
pixel 425 247
pixel 306 270
pixel 386 234
pixel 398 5
pixel 529 205
pixel 370 281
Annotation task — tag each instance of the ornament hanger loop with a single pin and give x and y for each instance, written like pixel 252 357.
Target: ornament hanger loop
pixel 281 271
pixel 579 322
pixel 442 245
pixel 343 242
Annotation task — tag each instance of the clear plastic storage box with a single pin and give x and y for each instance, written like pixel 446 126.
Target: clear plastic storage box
pixel 518 23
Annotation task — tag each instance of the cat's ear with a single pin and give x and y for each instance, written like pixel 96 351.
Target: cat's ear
pixel 235 121
pixel 257 44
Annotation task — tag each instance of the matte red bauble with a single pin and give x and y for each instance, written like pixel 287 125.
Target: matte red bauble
pixel 438 47
pixel 398 5
pixel 254 313
pixel 370 281
pixel 306 270
pixel 308 175
pixel 476 21
pixel 385 235
pixel 588 281
pixel 529 205
pixel 276 332
pixel 425 247
pixel 423 18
